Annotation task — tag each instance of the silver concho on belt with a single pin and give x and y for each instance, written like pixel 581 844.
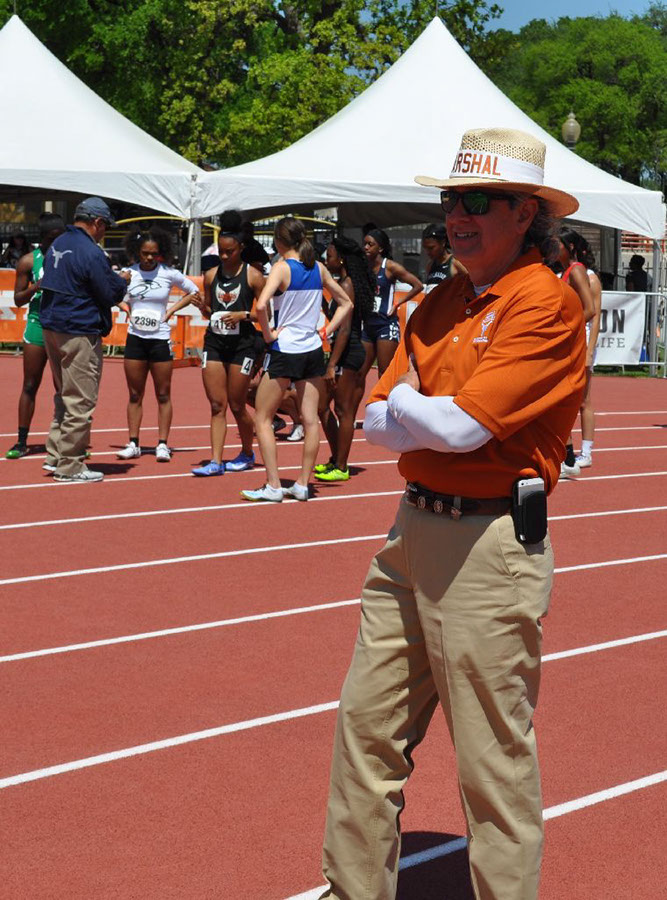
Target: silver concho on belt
pixel 438 506
pixel 421 501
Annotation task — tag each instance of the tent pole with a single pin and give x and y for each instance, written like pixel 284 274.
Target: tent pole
pixel 193 253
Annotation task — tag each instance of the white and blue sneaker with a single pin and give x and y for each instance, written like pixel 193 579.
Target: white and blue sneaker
pixel 240 463
pixel 296 490
pixel 212 468
pixel 268 493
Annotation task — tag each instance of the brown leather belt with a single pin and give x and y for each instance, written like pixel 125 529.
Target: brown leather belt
pixel 454 506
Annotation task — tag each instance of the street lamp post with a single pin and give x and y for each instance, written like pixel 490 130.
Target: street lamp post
pixel 571 131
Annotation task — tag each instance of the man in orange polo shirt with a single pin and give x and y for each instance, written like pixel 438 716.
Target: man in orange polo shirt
pixel 480 397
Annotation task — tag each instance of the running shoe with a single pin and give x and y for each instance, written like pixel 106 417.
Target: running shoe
pixel 49 467
pixel 212 468
pixel 298 491
pixel 324 467
pixel 568 471
pixel 296 434
pixel 333 474
pixel 85 476
pixel 162 453
pixel 129 451
pixel 268 493
pixel 278 423
pixel 17 451
pixel 240 463
pixel 584 462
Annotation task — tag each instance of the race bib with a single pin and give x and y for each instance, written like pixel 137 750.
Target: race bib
pixel 220 324
pixel 145 321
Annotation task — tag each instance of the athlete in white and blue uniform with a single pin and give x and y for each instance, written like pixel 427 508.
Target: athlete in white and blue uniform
pixel 295 351
pixel 381 332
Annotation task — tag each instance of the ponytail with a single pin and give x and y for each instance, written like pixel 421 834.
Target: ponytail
pixel 291 232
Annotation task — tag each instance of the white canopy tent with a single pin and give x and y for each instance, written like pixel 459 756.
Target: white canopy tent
pixel 60 135
pixel 409 122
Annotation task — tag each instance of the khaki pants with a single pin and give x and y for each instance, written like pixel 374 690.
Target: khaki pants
pixel 76 364
pixel 450 612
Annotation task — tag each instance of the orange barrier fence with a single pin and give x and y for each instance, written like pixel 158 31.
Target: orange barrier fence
pixel 187 334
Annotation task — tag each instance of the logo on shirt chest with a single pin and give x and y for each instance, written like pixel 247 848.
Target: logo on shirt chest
pixel 228 298
pixel 482 337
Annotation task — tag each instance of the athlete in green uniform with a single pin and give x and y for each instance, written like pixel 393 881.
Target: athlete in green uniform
pixel 28 274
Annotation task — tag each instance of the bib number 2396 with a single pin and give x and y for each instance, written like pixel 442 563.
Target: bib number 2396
pixel 143 321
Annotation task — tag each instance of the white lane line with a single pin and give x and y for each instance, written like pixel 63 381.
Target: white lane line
pixel 633 449
pixel 612 562
pixel 123 428
pixel 183 629
pixel 181 739
pixel 625 428
pixel 164 744
pixel 278 614
pixel 113 453
pixel 124 479
pixel 181 510
pixel 169 561
pixel 552 812
pixel 175 560
pixel 584 479
pixel 188 509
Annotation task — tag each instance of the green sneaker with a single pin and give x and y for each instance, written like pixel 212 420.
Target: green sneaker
pixel 333 474
pixel 324 467
pixel 17 451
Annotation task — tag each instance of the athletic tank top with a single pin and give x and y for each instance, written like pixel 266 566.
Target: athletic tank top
pixel 439 272
pixel 231 293
pixel 297 310
pixel 356 323
pixel 566 274
pixel 384 292
pixel 37 272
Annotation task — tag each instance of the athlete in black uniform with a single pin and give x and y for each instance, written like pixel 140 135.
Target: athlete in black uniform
pixel 443 265
pixel 231 345
pixel 345 378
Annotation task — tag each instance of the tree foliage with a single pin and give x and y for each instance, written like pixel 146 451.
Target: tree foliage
pixel 611 71
pixel 227 82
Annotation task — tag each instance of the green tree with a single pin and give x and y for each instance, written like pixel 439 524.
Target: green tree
pixel 228 82
pixel 612 72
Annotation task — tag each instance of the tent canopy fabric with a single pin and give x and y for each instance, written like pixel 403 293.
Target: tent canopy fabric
pixel 76 141
pixel 409 122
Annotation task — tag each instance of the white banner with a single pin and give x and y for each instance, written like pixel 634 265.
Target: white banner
pixel 621 328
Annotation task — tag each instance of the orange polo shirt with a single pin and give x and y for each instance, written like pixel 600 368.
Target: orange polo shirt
pixel 514 359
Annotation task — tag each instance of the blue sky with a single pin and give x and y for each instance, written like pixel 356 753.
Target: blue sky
pixel 519 12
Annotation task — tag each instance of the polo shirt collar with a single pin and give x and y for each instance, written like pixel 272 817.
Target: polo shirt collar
pixel 512 276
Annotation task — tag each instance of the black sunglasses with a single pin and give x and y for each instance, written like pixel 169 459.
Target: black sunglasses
pixel 475 203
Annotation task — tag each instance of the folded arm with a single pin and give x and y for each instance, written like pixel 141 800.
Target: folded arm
pixel 435 423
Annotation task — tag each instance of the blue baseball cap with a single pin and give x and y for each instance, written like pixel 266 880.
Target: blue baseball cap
pixel 96 208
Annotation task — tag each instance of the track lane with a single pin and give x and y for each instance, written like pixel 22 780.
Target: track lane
pixel 200 795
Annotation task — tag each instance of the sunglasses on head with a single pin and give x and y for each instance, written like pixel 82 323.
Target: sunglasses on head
pixel 475 203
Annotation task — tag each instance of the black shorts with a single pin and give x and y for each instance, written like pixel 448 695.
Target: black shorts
pixel 381 328
pixel 148 349
pixel 295 366
pixel 239 351
pixel 354 354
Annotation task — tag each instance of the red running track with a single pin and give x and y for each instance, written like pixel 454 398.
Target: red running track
pixel 239 814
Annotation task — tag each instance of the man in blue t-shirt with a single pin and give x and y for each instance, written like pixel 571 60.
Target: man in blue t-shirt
pixel 79 289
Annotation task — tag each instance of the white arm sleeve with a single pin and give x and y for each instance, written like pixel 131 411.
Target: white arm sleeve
pixel 183 282
pixel 381 428
pixel 436 422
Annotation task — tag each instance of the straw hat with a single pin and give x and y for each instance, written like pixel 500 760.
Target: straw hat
pixel 507 160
